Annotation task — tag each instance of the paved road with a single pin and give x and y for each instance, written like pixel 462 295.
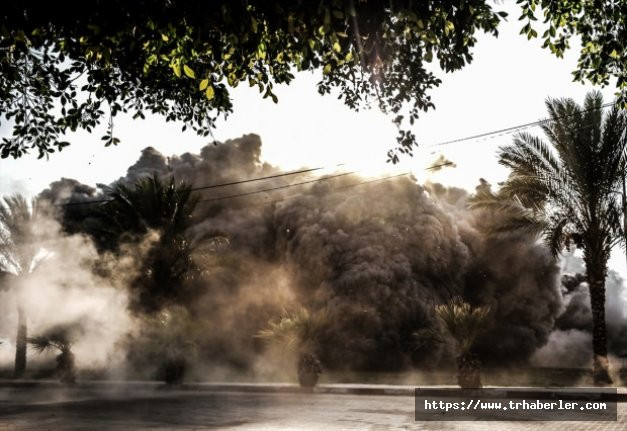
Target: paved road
pixel 52 409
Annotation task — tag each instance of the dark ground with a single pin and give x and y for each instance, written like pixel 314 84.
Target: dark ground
pixel 145 407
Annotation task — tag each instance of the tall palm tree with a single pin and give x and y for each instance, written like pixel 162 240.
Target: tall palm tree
pixel 19 256
pixel 569 191
pixel 171 265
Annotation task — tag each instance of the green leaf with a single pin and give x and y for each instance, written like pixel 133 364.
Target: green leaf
pixel 337 47
pixel 210 93
pixel 177 69
pixel 203 84
pixel 327 69
pixel 164 37
pixel 448 27
pixel 188 71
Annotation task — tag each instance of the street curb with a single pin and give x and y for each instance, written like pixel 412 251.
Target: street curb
pixel 339 389
pixel 357 389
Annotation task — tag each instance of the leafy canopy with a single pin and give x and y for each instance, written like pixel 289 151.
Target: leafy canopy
pixel 70 68
pixel 179 59
pixel 602 28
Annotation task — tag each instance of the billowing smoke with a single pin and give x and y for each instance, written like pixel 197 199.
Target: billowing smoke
pixel 514 275
pixel 570 343
pixel 375 257
pixel 63 291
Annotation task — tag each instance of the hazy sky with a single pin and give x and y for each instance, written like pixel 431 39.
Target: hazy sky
pixel 506 85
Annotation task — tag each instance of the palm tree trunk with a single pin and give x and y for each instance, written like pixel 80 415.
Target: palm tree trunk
pixel 469 371
pixel 596 283
pixel 20 343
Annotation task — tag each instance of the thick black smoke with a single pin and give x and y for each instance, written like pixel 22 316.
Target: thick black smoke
pixel 377 257
pixel 570 344
pixel 513 274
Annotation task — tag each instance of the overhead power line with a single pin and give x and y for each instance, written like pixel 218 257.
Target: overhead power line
pixel 257 179
pixel 511 129
pixel 270 189
pixel 316 180
pixel 339 189
pixel 214 186
pixel 302 171
pixel 285 174
pixel 335 190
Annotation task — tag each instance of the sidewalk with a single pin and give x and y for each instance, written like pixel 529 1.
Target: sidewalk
pixel 328 388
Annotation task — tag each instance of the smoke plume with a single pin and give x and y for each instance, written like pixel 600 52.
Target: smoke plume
pixel 376 257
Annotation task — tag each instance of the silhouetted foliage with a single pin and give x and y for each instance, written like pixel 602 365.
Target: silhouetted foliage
pixel 20 244
pixel 569 191
pixel 156 213
pixel 178 59
pixel 300 331
pixel 165 345
pixel 58 338
pixel 464 323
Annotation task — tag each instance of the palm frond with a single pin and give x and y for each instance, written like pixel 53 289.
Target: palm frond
pixel 523 224
pixel 426 337
pixel 570 187
pixel 297 329
pixel 556 236
pixel 40 343
pixel 58 337
pixel 463 322
pixel 19 237
pixel 513 216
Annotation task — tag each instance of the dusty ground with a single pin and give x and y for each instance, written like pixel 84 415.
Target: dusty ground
pixel 38 409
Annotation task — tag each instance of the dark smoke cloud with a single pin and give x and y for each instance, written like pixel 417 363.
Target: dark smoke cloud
pixel 570 343
pixel 216 163
pixel 513 274
pixel 377 257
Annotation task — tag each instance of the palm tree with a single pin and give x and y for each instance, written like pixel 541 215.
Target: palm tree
pixel 150 203
pixel 58 338
pixel 464 324
pixel 299 331
pixel 569 191
pixel 19 256
pixel 170 267
pixel 166 343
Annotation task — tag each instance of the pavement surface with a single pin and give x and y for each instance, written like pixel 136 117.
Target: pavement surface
pixel 144 406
